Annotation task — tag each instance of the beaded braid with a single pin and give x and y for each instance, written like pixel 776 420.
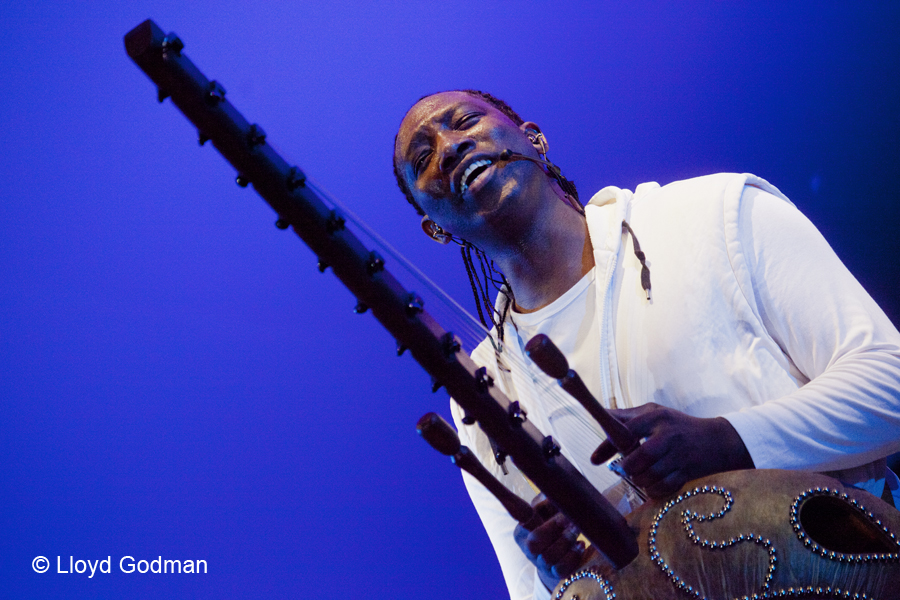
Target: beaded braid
pixel 480 287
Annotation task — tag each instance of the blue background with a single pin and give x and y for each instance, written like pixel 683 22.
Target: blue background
pixel 178 380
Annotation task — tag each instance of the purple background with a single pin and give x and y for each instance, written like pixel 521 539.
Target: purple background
pixel 178 380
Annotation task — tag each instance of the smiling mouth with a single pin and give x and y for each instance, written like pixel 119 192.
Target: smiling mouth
pixel 472 172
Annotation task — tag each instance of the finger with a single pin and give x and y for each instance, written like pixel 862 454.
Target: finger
pixel 533 523
pixel 520 534
pixel 603 453
pixel 649 455
pixel 522 538
pixel 569 563
pixel 561 546
pixel 658 480
pixel 644 420
pixel 627 414
pixel 544 509
pixel 666 486
pixel 544 536
pixel 564 567
pixel 555 553
pixel 542 503
pixel 638 420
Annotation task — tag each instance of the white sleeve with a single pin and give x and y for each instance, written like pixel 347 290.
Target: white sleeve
pixel 835 335
pixel 518 572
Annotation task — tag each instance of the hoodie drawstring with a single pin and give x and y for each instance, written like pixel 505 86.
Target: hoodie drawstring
pixel 645 270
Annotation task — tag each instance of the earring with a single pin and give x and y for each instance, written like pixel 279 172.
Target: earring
pixel 440 235
pixel 568 188
pixel 536 137
pixel 435 231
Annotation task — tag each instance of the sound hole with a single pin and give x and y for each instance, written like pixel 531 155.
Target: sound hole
pixel 835 524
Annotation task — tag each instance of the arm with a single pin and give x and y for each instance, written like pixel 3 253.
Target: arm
pixel 832 331
pixel 840 345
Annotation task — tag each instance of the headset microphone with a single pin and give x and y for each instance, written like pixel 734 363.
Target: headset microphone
pixel 567 186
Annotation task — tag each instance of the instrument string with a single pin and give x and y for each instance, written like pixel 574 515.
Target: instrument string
pixel 453 317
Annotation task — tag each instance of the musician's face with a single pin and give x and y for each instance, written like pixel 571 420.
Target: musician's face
pixel 447 150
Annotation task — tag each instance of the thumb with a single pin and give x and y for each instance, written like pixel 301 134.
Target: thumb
pixel 627 414
pixel 603 453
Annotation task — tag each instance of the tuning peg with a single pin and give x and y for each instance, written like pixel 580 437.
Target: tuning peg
pixel 335 222
pixel 375 263
pixel 215 93
pixel 483 380
pixel 449 344
pixel 550 447
pixel 172 44
pixel 414 305
pixel 517 414
pixel 296 178
pixel 256 136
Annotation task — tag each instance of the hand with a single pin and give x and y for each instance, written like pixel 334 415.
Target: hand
pixel 550 541
pixel 678 448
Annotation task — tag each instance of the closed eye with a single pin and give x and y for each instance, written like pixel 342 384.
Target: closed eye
pixel 420 163
pixel 468 120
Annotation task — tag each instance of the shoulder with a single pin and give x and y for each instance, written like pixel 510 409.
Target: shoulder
pixel 715 198
pixel 707 186
pixel 718 186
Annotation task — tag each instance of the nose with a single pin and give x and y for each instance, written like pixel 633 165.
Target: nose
pixel 453 146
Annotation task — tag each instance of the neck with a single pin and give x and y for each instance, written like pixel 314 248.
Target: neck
pixel 546 258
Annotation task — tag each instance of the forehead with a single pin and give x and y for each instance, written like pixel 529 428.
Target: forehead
pixel 431 110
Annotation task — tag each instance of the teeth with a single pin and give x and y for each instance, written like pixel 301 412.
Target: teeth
pixel 468 171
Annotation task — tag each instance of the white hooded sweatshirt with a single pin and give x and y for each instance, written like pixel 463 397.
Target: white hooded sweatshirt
pixel 751 317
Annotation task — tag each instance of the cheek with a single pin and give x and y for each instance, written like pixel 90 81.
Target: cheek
pixel 432 196
pixel 436 210
pixel 444 213
pixel 423 198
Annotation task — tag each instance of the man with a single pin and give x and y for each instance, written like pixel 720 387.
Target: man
pixel 730 336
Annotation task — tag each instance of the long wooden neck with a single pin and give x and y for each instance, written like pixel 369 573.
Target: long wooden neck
pixel 363 271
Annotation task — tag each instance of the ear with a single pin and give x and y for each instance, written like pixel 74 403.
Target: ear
pixel 536 136
pixel 434 231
